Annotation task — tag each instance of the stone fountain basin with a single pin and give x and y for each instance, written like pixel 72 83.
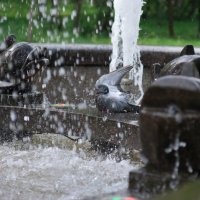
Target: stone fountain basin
pixel 110 130
pixel 84 64
pixel 70 79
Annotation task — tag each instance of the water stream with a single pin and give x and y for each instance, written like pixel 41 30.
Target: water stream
pixel 125 31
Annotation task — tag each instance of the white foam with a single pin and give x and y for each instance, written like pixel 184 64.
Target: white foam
pixel 53 173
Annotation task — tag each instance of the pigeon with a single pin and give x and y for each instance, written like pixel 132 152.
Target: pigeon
pixel 8 42
pixel 19 64
pixel 187 64
pixel 109 95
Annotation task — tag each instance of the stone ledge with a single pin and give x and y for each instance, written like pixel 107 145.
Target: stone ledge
pixel 103 132
pixel 151 182
pixel 26 99
pixel 100 55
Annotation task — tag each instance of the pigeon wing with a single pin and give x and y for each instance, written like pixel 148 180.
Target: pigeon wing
pixel 114 78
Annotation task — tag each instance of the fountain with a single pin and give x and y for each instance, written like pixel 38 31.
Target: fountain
pixel 125 32
pixel 95 147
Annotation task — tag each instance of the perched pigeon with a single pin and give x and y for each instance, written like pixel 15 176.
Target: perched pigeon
pixel 109 95
pixel 19 64
pixel 188 64
pixel 8 42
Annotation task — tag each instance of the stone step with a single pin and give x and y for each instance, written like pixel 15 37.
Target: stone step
pixel 106 131
pixel 27 99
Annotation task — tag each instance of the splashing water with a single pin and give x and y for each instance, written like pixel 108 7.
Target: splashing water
pixel 125 32
pixel 53 173
pixel 175 147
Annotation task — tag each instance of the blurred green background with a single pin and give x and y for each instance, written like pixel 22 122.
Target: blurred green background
pixel 170 22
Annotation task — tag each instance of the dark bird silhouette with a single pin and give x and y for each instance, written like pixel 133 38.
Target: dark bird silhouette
pixel 8 42
pixel 109 95
pixel 188 64
pixel 19 64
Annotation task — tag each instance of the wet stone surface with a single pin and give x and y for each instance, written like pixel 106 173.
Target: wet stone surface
pixel 169 132
pixel 27 99
pixel 74 86
pixel 106 132
pixel 169 123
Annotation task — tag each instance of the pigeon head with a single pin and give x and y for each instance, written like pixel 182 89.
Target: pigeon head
pixel 102 89
pixel 10 40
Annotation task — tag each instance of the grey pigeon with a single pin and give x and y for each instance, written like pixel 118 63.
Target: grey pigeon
pixel 188 64
pixel 19 64
pixel 109 95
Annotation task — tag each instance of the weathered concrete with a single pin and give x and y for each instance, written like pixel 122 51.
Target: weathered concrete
pixel 27 99
pixel 100 55
pixel 79 66
pixel 169 119
pixel 107 132
pixel 150 183
pixel 169 132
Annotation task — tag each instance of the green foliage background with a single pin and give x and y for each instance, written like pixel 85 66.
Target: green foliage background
pixel 95 22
